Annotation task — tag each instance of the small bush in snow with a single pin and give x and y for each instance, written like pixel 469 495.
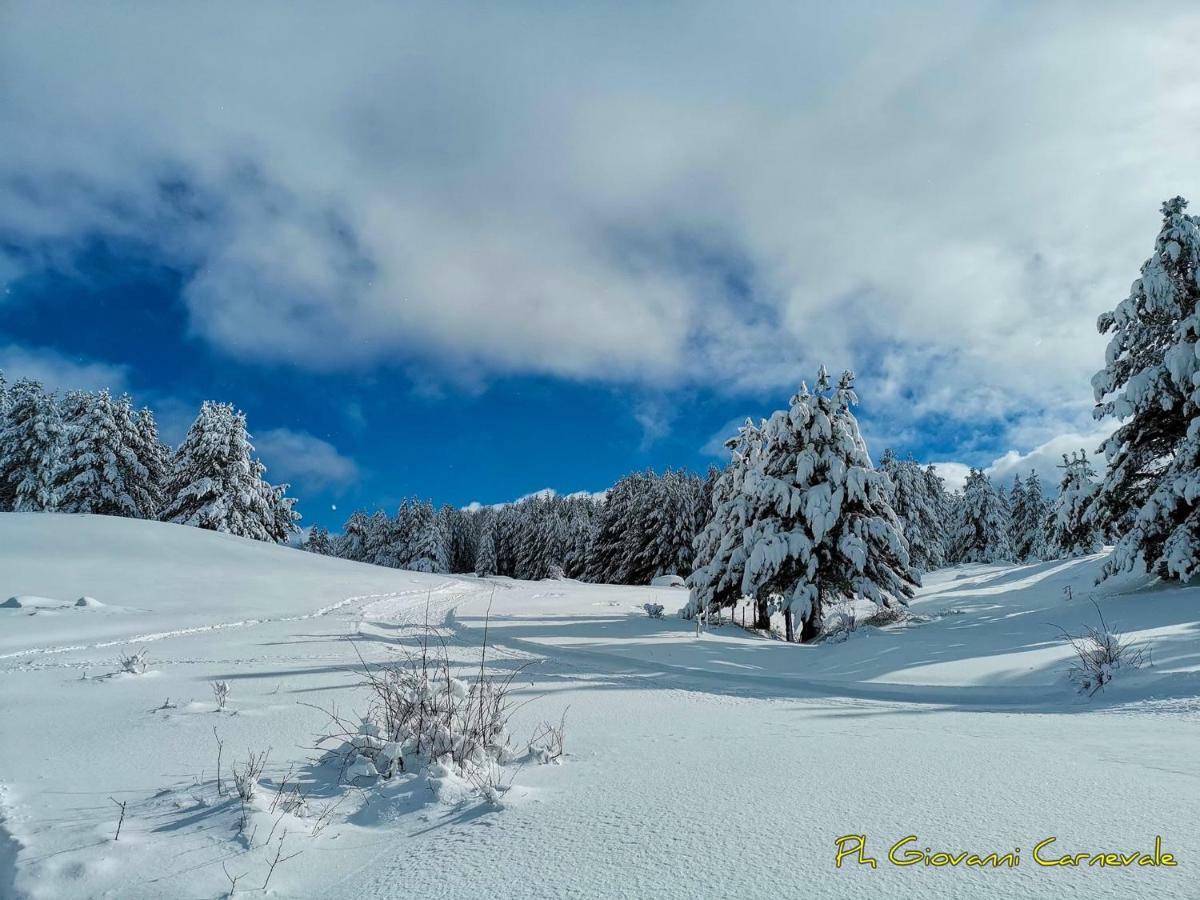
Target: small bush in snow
pixel 133 663
pixel 1099 653
pixel 220 693
pixel 886 615
pixel 653 610
pixel 419 709
pixel 246 775
pixel 840 623
pixel 546 745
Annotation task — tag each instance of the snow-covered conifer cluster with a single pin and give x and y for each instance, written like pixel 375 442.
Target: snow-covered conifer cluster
pixel 813 517
pixel 91 453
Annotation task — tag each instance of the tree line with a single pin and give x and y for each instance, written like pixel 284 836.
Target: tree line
pixel 88 452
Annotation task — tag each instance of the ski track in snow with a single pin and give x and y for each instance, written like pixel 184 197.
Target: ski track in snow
pixel 250 623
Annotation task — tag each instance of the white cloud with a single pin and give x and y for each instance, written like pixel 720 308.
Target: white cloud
pixel 1046 458
pixel 944 197
pixel 954 474
pixel 58 372
pixel 304 459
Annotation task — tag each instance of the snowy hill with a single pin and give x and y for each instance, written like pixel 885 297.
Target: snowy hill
pixel 717 764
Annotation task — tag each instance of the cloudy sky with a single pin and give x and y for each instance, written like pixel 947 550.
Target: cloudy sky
pixel 467 252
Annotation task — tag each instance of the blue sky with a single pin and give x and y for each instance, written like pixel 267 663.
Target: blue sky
pixel 468 254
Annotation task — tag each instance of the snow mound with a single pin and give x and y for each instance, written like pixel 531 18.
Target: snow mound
pixel 667 581
pixel 30 601
pixel 88 601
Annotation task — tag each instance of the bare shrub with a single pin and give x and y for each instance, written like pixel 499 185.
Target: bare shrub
pixel 220 691
pixel 548 741
pixel 653 610
pixel 1100 653
pixel 418 708
pixel 840 623
pixel 246 775
pixel 886 615
pixel 133 663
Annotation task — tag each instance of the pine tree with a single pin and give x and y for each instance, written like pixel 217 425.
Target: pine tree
pixel 31 446
pixel 821 524
pixel 215 481
pixel 916 499
pixel 1151 487
pixel 981 530
pixel 99 472
pixel 720 554
pixel 428 550
pixel 352 543
pixel 1027 533
pixel 283 517
pixel 155 457
pixel 485 560
pixel 318 541
pixel 1070 532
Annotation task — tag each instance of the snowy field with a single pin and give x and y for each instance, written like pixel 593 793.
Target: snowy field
pixel 717 765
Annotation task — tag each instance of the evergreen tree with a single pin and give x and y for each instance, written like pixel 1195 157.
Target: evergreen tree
pixel 1070 532
pixel 352 543
pixel 31 446
pixel 1027 534
pixel 720 554
pixel 155 457
pixel 1149 383
pixel 981 530
pixel 427 552
pixel 99 473
pixel 919 510
pixel 485 560
pixel 216 483
pixel 318 541
pixel 821 524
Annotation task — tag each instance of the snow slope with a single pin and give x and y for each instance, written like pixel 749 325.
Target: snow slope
pixel 717 765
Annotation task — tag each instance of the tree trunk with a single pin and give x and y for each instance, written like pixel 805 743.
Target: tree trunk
pixel 762 619
pixel 789 626
pixel 810 628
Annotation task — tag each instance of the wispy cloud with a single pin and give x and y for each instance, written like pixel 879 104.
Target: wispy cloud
pixel 58 372
pixel 304 459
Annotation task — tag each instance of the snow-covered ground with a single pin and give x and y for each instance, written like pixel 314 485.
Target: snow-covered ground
pixel 717 765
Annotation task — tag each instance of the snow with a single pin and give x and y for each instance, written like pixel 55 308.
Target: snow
pixel 667 581
pixel 718 764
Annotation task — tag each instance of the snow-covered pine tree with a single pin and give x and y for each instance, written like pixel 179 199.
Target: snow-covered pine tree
pixel 1027 532
pixel 919 509
pixel 318 541
pixel 155 457
pixel 485 559
pixel 580 516
pixel 427 552
pixel 215 482
pixel 1014 502
pixel 821 526
pixel 1069 530
pixel 283 516
pixel 1150 491
pixel 943 505
pixel 619 532
pixel 352 542
pixel 97 466
pixel 31 446
pixel 379 545
pixel 981 530
pixel 720 554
